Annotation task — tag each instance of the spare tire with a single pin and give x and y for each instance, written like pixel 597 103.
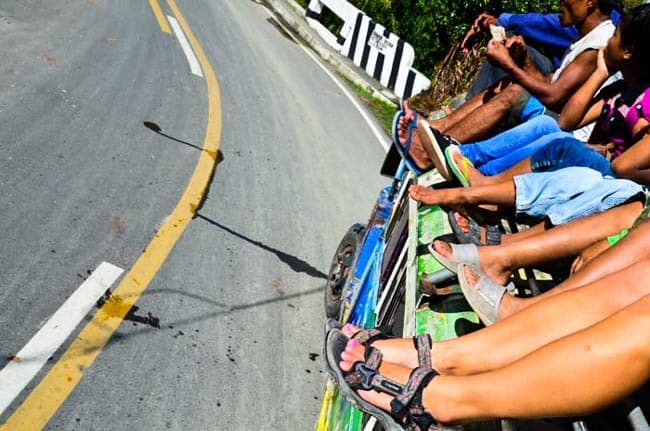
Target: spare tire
pixel 340 269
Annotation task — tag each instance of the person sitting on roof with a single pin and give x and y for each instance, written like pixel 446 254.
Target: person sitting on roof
pixel 527 93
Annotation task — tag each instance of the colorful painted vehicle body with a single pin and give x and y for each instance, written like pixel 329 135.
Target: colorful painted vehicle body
pixel 387 278
pixel 382 285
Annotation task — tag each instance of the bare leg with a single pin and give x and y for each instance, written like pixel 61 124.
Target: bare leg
pixel 523 332
pixel 500 194
pixel 521 168
pixel 462 111
pixel 607 360
pixel 498 262
pixel 483 120
pixel 633 248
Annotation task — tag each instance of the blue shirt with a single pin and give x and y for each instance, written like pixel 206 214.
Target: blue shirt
pixel 544 32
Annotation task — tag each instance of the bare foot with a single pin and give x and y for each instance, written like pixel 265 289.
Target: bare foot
pixel 429 196
pixel 432 397
pixel 489 262
pixel 416 151
pixel 474 177
pixel 394 350
pixel 507 302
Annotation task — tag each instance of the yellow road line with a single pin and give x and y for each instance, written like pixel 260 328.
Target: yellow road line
pixel 44 401
pixel 160 17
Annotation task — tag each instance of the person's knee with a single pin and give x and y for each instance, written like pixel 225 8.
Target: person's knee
pixel 623 168
pixel 507 98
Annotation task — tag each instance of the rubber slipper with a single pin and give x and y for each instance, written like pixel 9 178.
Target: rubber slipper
pixel 460 172
pixel 404 150
pixel 492 236
pixel 435 144
pixel 484 297
pixel 460 254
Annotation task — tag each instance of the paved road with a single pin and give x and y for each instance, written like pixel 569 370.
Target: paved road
pixel 83 181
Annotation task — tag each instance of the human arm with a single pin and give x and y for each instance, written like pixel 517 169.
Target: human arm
pixel 588 254
pixel 550 94
pixel 634 163
pixel 480 25
pixel 581 108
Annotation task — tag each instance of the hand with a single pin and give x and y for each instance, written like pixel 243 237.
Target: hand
pixel 587 254
pixel 517 48
pixel 481 24
pixel 604 150
pixel 601 62
pixel 484 20
pixel 498 54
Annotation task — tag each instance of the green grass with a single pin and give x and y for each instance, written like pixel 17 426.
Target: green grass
pixel 383 111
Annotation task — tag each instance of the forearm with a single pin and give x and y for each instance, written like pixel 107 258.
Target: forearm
pixel 576 107
pixel 536 83
pixel 638 175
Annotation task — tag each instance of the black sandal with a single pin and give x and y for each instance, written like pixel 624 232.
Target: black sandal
pixel 365 376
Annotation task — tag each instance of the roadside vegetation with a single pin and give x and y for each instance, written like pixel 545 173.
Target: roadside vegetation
pixel 382 110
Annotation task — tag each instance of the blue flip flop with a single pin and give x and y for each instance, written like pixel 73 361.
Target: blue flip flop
pixel 404 151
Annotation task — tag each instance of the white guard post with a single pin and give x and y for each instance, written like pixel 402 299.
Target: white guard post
pixel 382 54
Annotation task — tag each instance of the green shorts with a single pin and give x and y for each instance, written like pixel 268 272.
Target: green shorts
pixel 643 216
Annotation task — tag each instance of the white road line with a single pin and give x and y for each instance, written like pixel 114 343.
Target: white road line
pixel 381 137
pixel 31 358
pixel 187 49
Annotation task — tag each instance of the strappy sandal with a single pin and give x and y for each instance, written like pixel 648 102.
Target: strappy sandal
pixel 365 376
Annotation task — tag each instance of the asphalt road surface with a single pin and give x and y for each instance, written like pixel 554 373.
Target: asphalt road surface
pixel 238 301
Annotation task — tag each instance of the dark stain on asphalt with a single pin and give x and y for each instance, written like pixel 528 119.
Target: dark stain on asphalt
pixel 149 319
pixel 118 225
pixel 313 356
pixel 276 285
pixel 229 354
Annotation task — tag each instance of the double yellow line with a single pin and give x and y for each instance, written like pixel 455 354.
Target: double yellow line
pixel 44 401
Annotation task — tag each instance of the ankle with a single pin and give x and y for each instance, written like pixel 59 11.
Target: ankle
pixel 438 399
pixel 509 305
pixel 500 261
pixel 442 357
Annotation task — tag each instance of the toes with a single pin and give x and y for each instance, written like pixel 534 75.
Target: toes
pixel 462 222
pixel 443 248
pixel 471 276
pixel 349 329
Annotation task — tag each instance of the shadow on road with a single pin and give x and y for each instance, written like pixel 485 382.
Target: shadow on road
pixel 225 309
pixel 297 264
pixel 156 128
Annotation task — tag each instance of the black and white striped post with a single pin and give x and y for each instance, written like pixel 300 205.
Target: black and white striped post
pixel 382 54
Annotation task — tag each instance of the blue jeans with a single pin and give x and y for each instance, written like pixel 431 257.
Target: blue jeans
pixel 496 154
pixel 567 152
pixel 570 193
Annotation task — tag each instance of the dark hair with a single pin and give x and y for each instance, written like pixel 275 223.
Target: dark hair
pixel 635 34
pixel 607 6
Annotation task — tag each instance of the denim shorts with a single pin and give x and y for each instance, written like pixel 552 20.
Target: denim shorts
pixel 566 152
pixel 570 193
